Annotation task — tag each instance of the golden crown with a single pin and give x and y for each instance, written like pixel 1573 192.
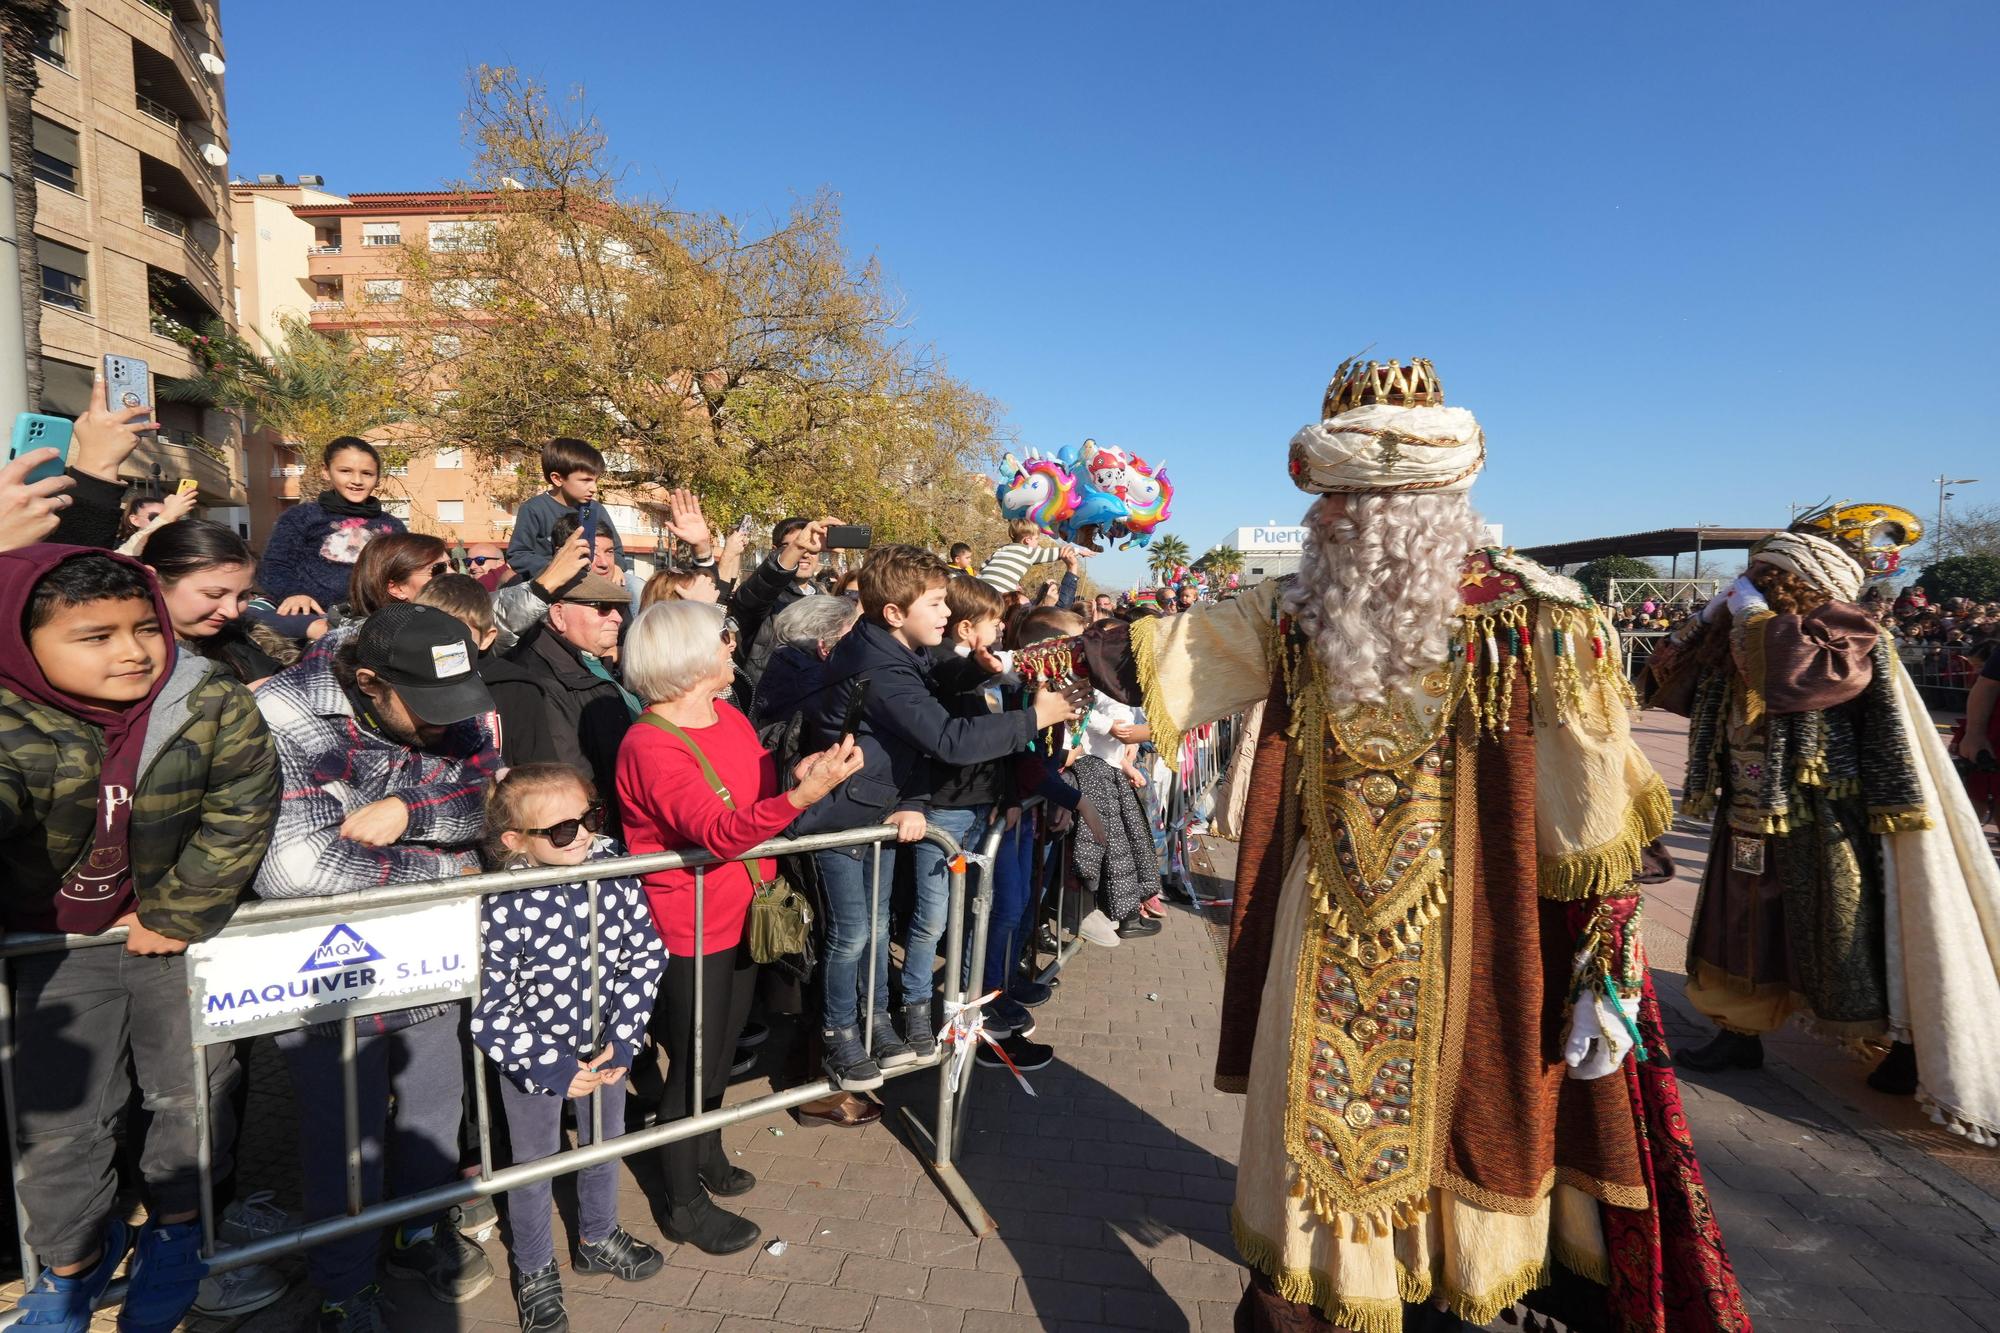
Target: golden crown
pixel 1358 384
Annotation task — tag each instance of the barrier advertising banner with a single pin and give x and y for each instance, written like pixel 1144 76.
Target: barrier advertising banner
pixel 339 965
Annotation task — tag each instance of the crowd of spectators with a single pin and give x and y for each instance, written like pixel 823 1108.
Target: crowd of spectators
pixel 189 727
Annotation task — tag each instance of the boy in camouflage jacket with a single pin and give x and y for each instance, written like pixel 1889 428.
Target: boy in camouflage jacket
pixel 138 787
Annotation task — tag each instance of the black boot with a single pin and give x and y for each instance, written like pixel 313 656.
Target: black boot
pixel 708 1228
pixel 1729 1050
pixel 1897 1074
pixel 722 1178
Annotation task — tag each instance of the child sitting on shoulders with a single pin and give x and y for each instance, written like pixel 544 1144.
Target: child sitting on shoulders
pixel 533 1020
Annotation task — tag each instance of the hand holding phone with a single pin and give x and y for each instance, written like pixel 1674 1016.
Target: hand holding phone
pixel 187 484
pixel 849 537
pixel 34 431
pixel 587 511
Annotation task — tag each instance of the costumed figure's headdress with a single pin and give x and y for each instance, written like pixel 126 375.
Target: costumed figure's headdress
pixel 1874 534
pixel 1815 559
pixel 1385 429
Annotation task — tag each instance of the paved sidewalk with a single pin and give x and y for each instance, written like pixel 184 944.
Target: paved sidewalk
pixel 1110 1185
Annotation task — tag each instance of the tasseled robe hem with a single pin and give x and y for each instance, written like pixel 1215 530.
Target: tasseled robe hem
pixel 1370 1315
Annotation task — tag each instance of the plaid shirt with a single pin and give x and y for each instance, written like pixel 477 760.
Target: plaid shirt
pixel 331 765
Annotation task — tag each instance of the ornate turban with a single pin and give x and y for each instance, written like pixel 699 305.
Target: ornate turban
pixel 1389 449
pixel 1814 559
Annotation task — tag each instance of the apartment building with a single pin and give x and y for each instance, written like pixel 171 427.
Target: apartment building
pixel 337 260
pixel 132 220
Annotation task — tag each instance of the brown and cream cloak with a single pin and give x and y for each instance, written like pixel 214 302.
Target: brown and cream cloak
pixel 1416 889
pixel 1865 893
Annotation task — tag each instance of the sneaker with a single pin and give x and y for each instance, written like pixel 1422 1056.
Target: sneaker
pixel 744 1062
pixel 621 1254
pixel 255 1218
pixel 889 1048
pixel 1004 1019
pixel 1030 994
pixel 452 1267
pixel 538 1297
pixel 847 1061
pixel 167 1269
pixel 65 1303
pixel 1097 928
pixel 239 1291
pixel 754 1034
pixel 366 1311
pixel 914 1022
pixel 476 1219
pixel 1026 1055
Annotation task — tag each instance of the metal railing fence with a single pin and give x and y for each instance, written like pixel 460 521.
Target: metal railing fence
pixel 261 918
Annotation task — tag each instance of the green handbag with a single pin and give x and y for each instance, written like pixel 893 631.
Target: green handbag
pixel 780 916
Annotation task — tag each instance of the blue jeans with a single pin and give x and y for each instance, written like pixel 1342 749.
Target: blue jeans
pixel 1013 905
pixel 933 904
pixel 844 877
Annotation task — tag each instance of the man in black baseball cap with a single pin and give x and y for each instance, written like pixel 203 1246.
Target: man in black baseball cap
pixel 384 759
pixel 416 669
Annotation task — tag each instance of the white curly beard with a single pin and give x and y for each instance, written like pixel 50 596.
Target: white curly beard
pixel 1378 587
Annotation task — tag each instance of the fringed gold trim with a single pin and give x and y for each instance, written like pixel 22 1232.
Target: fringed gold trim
pixel 1315 1287
pixel 1144 638
pixel 1586 1265
pixel 1603 869
pixel 1906 819
pixel 1484 1308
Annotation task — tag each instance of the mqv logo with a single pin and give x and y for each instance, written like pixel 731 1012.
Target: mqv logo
pixel 341 948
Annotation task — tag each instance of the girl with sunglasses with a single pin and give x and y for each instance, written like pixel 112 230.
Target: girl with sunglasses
pixel 533 1021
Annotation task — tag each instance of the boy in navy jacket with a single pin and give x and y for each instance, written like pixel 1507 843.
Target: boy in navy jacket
pixel 903 729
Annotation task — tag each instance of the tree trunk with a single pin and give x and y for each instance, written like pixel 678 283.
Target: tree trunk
pixel 22 24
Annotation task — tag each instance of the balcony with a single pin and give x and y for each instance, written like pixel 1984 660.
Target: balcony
pixel 184 455
pixel 160 220
pixel 333 249
pixel 159 111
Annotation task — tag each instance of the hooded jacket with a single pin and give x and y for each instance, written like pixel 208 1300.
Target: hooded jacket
pixel 201 814
pixel 903 730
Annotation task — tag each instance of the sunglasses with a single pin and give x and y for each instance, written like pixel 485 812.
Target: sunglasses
pixel 562 834
pixel 485 559
pixel 729 629
pixel 441 567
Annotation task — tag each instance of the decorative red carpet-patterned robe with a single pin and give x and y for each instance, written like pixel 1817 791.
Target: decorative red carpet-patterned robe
pixel 1421 888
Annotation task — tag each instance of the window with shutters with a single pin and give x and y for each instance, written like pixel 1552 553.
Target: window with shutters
pixel 57 161
pixel 65 275
pixel 381 233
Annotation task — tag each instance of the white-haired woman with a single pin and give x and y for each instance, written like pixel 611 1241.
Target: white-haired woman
pixel 693 777
pixel 807 630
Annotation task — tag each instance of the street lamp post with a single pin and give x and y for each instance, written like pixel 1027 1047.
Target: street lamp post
pixel 1937 533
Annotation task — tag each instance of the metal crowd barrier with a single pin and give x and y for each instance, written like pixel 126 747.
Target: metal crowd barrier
pixel 269 924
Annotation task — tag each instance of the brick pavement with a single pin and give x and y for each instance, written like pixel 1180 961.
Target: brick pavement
pixel 1843 1210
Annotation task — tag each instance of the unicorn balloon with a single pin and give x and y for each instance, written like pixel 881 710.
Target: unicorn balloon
pixel 1087 494
pixel 1041 489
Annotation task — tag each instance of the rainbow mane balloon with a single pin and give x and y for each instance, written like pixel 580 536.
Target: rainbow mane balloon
pixel 1147 495
pixel 1041 489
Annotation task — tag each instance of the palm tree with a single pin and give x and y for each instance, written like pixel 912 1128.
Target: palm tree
pixel 1168 554
pixel 309 387
pixel 1223 561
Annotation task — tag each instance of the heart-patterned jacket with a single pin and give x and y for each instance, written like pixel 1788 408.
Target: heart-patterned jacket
pixel 533 1015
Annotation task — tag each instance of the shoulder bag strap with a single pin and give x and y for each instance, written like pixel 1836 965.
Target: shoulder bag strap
pixel 707 771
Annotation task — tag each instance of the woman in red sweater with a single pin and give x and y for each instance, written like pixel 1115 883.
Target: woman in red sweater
pixel 679 657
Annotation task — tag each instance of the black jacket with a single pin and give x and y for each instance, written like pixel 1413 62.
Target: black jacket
pixel 523 700
pixel 903 730
pixel 755 605
pixel 959 683
pixel 790 680
pixel 587 715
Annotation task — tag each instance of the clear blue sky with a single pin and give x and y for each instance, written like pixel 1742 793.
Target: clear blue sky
pixel 1688 263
